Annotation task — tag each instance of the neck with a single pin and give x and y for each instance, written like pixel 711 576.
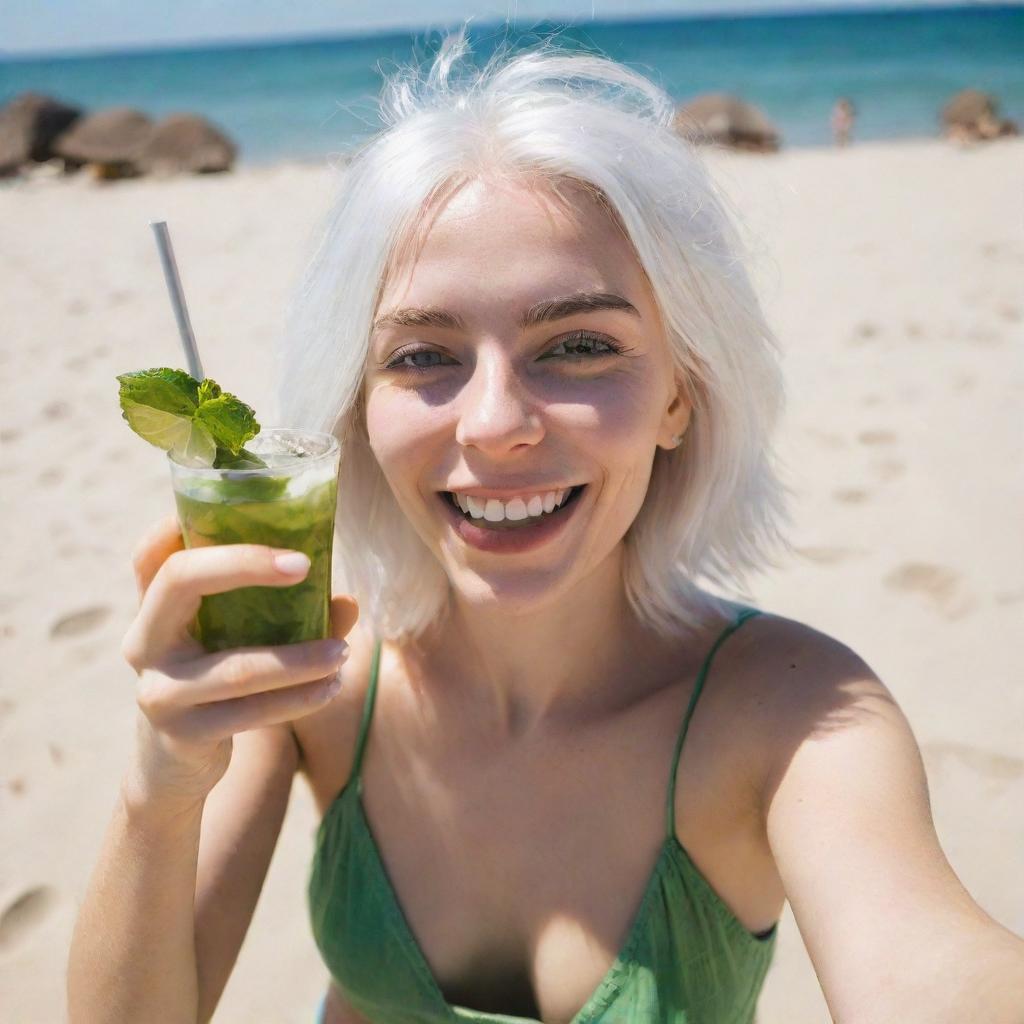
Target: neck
pixel 576 656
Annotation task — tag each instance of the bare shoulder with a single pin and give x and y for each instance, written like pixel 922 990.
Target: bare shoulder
pixel 847 817
pixel 327 739
pixel 792 684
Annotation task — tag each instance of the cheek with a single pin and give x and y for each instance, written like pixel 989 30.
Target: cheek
pixel 399 424
pixel 622 411
pixel 384 429
pixel 624 433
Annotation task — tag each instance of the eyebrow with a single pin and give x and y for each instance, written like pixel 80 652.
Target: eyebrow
pixel 542 312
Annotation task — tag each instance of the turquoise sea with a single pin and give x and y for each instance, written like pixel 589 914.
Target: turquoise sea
pixel 307 99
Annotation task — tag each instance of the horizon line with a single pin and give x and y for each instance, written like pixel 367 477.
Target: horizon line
pixel 829 8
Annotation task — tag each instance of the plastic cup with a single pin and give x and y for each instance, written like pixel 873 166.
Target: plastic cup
pixel 290 504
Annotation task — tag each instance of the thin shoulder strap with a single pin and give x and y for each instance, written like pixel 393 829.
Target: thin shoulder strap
pixel 364 725
pixel 670 813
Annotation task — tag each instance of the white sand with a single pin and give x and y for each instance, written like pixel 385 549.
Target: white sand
pixel 891 273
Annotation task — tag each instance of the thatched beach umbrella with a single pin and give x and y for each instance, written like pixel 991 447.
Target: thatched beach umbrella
pixel 187 143
pixel 110 140
pixel 726 120
pixel 972 115
pixel 28 126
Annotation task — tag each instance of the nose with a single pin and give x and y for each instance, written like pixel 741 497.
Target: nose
pixel 496 411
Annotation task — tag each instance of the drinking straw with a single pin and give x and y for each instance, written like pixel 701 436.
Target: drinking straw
pixel 188 339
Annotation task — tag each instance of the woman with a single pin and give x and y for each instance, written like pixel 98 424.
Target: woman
pixel 561 780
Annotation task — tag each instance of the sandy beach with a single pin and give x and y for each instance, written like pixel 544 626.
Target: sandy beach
pixel 891 273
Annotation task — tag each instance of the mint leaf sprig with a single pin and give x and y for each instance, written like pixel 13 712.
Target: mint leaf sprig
pixel 198 423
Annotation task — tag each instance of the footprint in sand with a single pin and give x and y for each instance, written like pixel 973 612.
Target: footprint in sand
pixel 998 767
pixel 889 469
pixel 983 336
pixel 826 555
pixel 862 334
pixel 56 411
pixel 991 248
pixel 874 437
pixel 851 495
pixel 81 622
pixel 940 585
pixel 24 913
pixel 825 438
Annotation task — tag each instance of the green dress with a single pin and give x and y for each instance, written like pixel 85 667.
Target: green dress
pixel 686 958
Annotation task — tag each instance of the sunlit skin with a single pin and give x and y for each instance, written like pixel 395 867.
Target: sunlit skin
pixel 494 401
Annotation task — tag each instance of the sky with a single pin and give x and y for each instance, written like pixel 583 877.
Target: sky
pixel 53 26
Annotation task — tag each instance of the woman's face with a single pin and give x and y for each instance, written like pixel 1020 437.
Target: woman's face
pixel 478 378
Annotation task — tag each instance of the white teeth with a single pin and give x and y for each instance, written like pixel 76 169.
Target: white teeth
pixel 495 511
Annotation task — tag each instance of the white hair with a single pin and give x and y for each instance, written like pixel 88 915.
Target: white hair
pixel 714 505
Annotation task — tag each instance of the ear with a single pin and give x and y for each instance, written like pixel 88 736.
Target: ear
pixel 676 419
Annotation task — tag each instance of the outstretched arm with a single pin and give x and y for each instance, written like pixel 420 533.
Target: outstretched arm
pixel 891 931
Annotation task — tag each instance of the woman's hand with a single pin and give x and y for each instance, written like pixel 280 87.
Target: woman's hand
pixel 193 702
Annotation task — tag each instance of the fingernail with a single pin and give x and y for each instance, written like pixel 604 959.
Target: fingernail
pixel 334 686
pixel 291 563
pixel 337 649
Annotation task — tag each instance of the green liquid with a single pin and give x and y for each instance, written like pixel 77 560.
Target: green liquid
pixel 264 615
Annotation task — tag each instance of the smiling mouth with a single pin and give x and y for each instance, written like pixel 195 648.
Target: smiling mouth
pixel 516 524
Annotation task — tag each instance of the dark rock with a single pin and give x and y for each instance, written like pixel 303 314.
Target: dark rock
pixel 28 126
pixel 725 120
pixel 110 140
pixel 968 107
pixel 972 115
pixel 187 143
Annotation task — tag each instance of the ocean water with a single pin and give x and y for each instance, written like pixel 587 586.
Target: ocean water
pixel 310 99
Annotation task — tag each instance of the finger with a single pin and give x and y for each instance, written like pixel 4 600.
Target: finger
pixel 344 615
pixel 185 577
pixel 272 707
pixel 237 673
pixel 155 547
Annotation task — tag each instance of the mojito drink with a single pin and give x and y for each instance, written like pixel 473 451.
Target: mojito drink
pixel 289 504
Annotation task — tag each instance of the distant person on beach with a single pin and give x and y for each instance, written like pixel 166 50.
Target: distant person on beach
pixel 843 115
pixel 571 773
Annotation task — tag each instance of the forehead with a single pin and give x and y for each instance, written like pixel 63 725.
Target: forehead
pixel 492 235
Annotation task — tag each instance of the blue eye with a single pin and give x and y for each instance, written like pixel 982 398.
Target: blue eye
pixel 397 362
pixel 578 347
pixel 583 338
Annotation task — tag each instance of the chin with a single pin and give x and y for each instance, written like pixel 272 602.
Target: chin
pixel 513 593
